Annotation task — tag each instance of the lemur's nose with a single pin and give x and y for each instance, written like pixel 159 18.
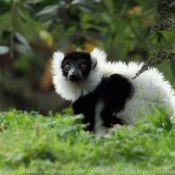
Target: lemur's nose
pixel 73 75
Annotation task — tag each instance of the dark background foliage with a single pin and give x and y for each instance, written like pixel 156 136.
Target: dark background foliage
pixel 31 30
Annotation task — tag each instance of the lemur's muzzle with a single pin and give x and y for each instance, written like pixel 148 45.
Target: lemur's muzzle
pixel 75 75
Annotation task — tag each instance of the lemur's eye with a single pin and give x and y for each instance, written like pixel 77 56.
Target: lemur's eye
pixel 83 66
pixel 67 67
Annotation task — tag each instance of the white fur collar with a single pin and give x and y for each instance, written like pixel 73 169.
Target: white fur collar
pixel 72 91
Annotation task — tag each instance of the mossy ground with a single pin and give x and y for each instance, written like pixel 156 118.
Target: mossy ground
pixel 56 144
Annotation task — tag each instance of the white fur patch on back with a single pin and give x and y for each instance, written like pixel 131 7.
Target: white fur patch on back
pixel 149 88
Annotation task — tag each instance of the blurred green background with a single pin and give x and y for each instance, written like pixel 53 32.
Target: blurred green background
pixel 31 30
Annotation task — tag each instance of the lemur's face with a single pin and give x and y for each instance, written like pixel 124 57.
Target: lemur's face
pixel 76 66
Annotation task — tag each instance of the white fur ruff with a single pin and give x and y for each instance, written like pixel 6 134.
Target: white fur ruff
pixel 72 91
pixel 150 87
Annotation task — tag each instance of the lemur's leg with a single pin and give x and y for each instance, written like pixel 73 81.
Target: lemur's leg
pixel 99 123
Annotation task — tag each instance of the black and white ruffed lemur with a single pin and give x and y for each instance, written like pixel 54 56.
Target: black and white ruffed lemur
pixel 104 92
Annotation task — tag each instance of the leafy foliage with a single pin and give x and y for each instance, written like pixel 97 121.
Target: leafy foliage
pixel 32 30
pixel 77 20
pixel 163 54
pixel 164 22
pixel 57 144
pixel 165 26
pixel 173 67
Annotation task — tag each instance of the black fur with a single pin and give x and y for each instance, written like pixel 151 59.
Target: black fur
pixel 75 60
pixel 114 91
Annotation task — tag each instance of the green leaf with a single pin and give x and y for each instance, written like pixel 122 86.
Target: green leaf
pixel 95 33
pixel 5 7
pixel 86 9
pixel 48 10
pixel 98 23
pixel 6 34
pixel 10 115
pixel 22 64
pixel 4 50
pixel 32 8
pixel 169 35
pixel 133 45
pixel 21 14
pixel 21 38
pixel 172 65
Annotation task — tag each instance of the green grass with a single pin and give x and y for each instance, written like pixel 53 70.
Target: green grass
pixel 56 144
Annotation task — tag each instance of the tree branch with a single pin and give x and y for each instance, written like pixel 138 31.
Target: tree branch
pixel 12 29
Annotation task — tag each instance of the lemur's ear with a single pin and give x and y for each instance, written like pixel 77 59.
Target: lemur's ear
pixel 98 56
pixel 56 62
